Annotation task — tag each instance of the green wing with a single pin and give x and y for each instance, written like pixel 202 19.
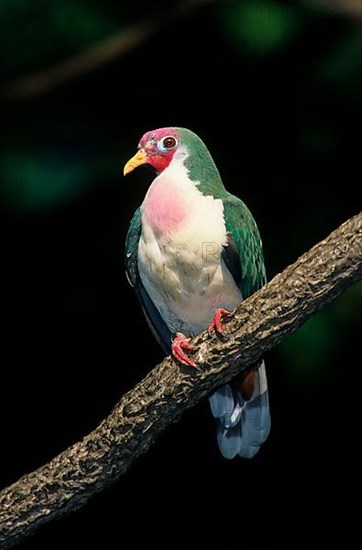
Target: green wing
pixel 131 248
pixel 244 253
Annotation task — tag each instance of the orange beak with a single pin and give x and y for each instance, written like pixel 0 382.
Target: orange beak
pixel 139 158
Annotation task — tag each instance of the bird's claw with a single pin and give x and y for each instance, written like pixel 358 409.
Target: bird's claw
pixel 216 323
pixel 180 343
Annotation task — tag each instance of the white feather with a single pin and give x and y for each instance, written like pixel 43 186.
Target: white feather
pixel 183 271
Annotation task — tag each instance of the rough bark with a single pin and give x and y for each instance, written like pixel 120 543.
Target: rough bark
pixel 258 324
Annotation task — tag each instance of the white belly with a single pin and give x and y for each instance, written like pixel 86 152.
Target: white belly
pixel 189 307
pixel 185 275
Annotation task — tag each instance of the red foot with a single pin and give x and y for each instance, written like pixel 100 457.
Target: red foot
pixel 215 324
pixel 179 344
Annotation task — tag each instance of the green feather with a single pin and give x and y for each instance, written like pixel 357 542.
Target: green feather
pixel 239 221
pixel 242 227
pixel 201 166
pixel 131 248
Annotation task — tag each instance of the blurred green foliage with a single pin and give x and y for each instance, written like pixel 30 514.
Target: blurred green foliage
pixel 42 179
pixel 35 34
pixel 310 351
pixel 261 26
pixel 345 59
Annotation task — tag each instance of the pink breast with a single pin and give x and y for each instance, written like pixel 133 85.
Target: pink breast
pixel 164 208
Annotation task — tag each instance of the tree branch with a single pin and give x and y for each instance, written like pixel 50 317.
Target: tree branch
pixel 258 324
pixel 97 55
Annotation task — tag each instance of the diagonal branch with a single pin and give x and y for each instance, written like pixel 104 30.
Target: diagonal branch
pixel 98 55
pixel 258 324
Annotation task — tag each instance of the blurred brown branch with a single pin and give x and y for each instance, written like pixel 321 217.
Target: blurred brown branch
pixel 350 8
pixel 258 324
pixel 97 55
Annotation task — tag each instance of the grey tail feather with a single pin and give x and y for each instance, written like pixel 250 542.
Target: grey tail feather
pixel 242 426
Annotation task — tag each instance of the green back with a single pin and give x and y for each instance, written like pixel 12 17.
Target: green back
pixel 244 243
pixel 244 233
pixel 201 166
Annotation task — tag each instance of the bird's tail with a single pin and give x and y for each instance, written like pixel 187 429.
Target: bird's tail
pixel 242 413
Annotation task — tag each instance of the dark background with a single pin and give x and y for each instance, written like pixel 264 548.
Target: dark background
pixel 274 89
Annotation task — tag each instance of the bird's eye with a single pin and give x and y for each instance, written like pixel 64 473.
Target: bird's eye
pixel 167 143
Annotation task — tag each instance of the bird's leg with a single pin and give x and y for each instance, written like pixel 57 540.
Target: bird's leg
pixel 180 343
pixel 216 325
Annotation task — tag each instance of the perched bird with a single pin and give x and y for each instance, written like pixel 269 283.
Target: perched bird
pixel 193 253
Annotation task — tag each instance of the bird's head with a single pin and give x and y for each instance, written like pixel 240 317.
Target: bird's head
pixel 156 148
